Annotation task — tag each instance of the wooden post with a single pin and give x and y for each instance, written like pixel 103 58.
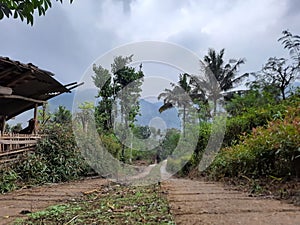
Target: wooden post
pixel 3 121
pixel 2 130
pixel 35 118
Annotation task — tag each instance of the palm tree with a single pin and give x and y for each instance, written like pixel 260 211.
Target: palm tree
pixel 225 74
pixel 178 96
pixel 217 76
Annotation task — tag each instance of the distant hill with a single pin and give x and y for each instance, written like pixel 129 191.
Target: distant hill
pixel 149 111
pixel 68 98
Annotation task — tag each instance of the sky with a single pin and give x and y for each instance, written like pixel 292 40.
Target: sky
pixel 72 36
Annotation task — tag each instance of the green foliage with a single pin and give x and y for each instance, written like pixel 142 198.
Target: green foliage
pixel 62 115
pixel 253 98
pixel 84 116
pixel 292 43
pixel 56 159
pixel 112 144
pixel 122 86
pixel 141 132
pixel 276 73
pixel 168 144
pixel 24 9
pixel 178 165
pixel 8 179
pixel 16 128
pixel 225 74
pixel 113 204
pixel 272 150
pixel 258 115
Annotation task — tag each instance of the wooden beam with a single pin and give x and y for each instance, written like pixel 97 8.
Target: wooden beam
pixel 23 98
pixel 19 78
pixel 75 86
pixel 5 90
pixel 18 142
pixel 26 149
pixel 35 118
pixel 6 72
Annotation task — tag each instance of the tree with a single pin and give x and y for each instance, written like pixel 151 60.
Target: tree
pixel 121 86
pixel 103 112
pixel 85 115
pixel 224 74
pixel 128 84
pixel 277 74
pixel 62 115
pixel 16 128
pixel 111 86
pixel 178 96
pixel 142 132
pixel 24 9
pixel 292 43
pixel 216 77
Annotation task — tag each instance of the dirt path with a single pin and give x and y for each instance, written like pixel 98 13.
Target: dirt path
pixel 199 202
pixel 34 199
pixel 191 202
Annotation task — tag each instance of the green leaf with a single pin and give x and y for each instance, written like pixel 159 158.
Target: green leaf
pixel 16 14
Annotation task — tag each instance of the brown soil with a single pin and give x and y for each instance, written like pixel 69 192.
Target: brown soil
pixel 202 202
pixel 14 204
pixel 191 202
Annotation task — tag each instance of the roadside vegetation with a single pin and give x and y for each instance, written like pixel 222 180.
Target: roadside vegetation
pixel 260 151
pixel 112 204
pixel 56 159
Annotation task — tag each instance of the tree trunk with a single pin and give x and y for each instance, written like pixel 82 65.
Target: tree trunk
pixel 283 93
pixel 184 108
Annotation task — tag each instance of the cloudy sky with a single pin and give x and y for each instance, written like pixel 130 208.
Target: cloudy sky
pixel 72 36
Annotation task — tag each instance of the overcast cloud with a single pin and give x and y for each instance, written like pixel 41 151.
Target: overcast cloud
pixel 71 36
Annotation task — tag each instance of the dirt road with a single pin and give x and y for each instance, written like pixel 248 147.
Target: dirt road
pixel 191 202
pixel 35 199
pixel 199 202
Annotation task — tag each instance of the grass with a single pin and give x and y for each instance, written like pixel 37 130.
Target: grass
pixel 112 204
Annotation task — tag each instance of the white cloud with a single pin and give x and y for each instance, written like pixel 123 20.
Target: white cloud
pixel 84 30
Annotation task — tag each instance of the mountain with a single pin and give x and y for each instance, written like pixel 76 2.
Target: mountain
pixel 67 99
pixel 150 116
pixel 149 110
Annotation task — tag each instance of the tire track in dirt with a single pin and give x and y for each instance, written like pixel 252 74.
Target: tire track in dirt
pixel 199 202
pixel 38 198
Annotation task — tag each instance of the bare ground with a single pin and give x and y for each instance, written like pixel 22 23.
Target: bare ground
pixel 191 202
pixel 13 204
pixel 201 202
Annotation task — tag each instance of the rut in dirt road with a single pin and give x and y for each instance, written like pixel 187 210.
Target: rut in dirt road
pixel 199 202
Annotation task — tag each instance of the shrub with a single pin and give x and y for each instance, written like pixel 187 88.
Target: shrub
pixel 8 179
pixel 56 158
pixel 271 150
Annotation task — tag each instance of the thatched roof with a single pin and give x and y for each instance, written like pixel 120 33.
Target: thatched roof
pixel 25 85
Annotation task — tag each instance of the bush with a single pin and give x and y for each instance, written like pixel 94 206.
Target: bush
pixel 271 150
pixel 8 179
pixel 56 158
pixel 257 116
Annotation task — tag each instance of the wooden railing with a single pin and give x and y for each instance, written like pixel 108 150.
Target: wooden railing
pixel 15 144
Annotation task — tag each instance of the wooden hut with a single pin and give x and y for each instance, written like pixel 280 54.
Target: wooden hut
pixel 24 87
